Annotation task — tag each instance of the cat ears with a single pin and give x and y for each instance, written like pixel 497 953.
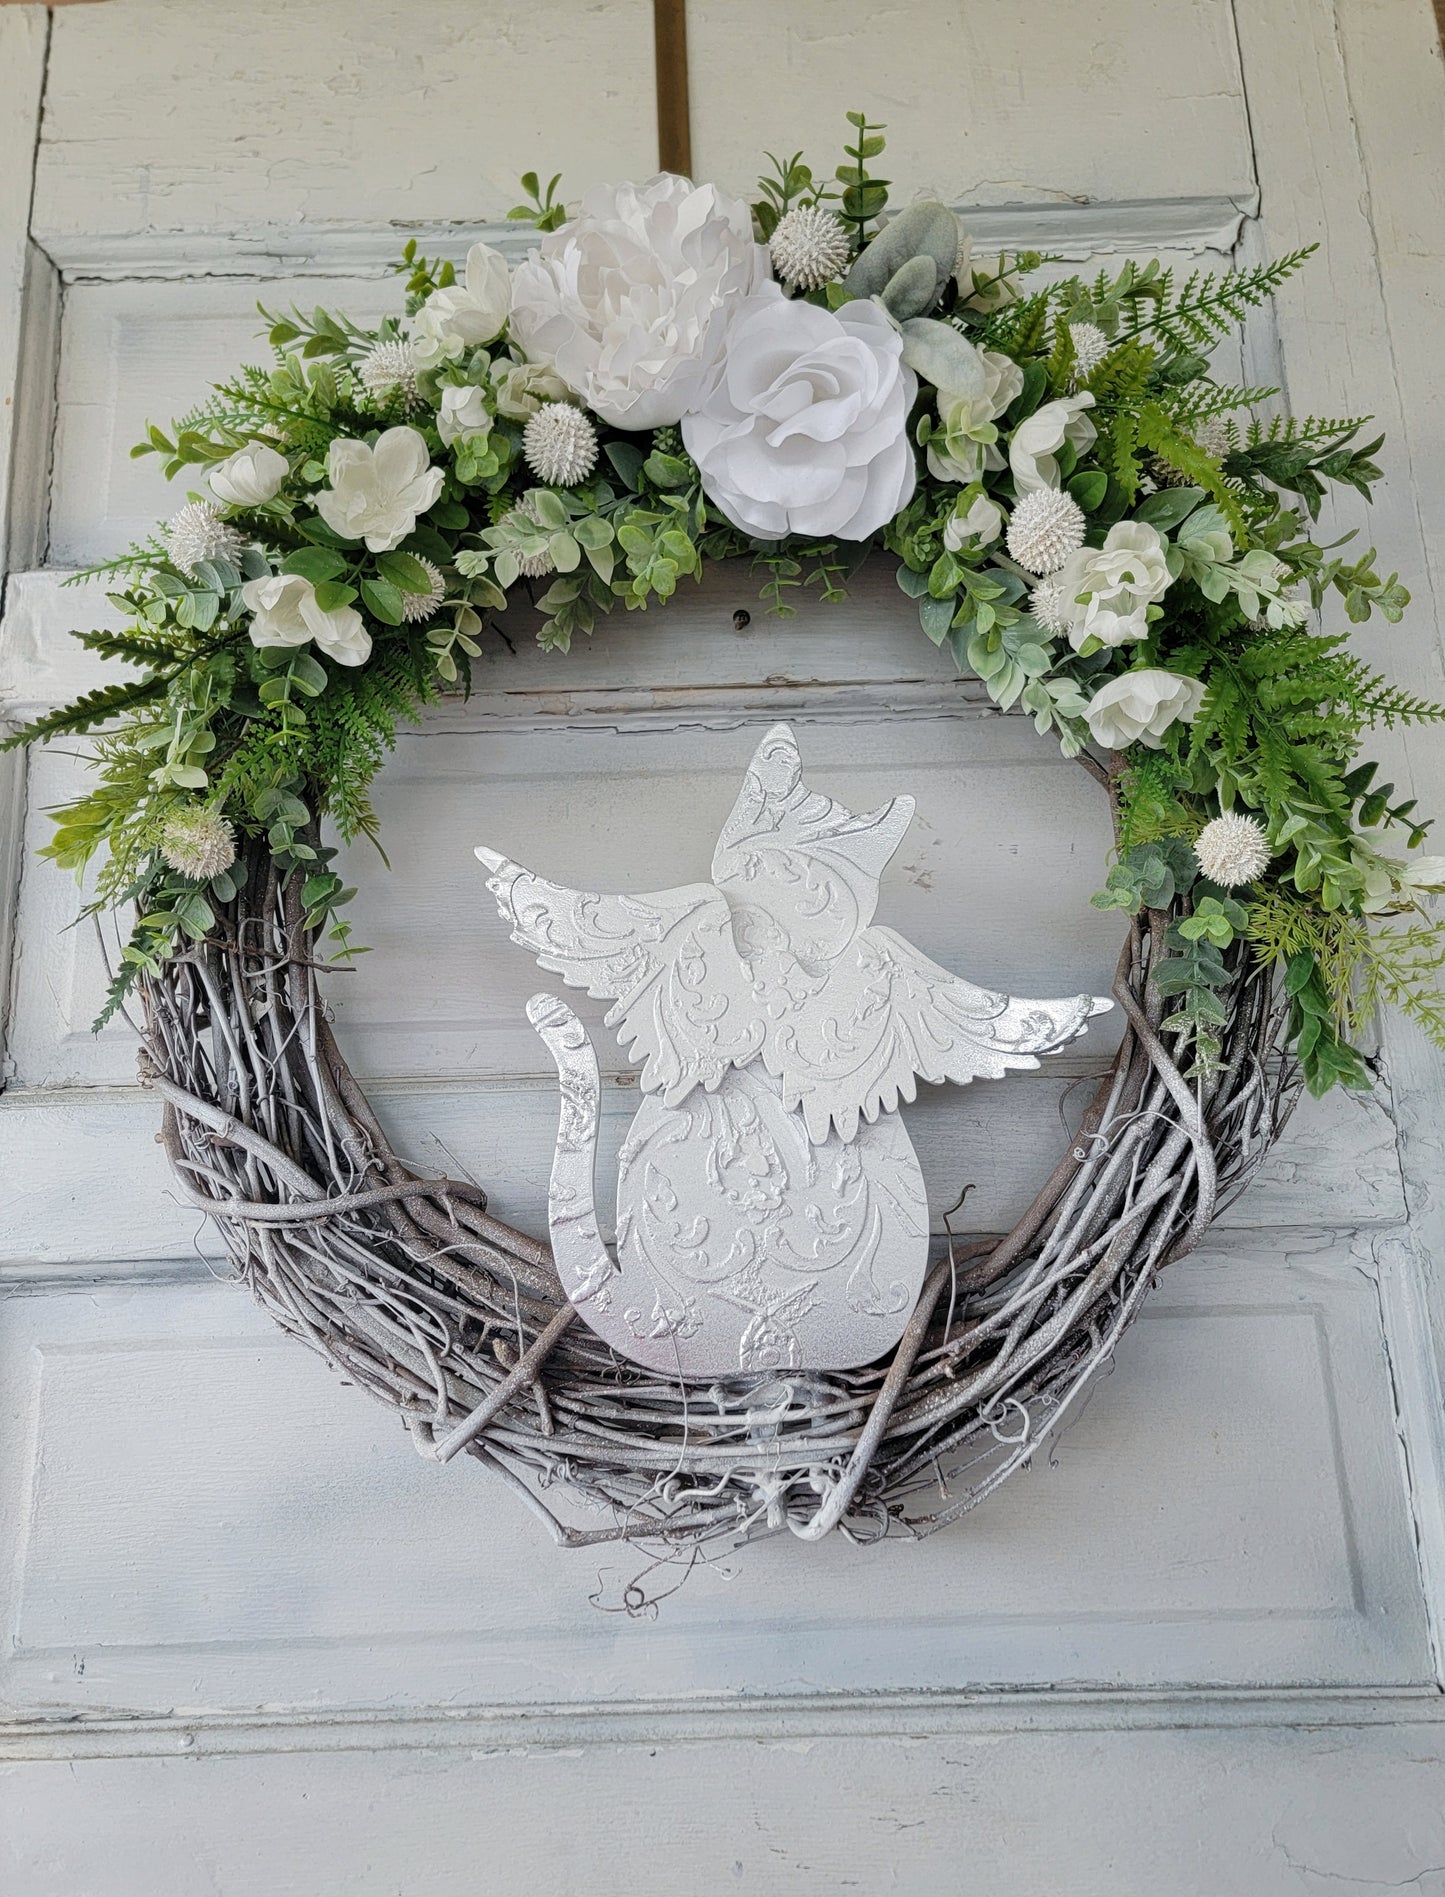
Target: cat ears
pixel 775 808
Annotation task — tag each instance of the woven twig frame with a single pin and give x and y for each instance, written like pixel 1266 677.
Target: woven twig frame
pixel 413 1291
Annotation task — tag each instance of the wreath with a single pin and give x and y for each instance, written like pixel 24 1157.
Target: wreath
pixel 1119 545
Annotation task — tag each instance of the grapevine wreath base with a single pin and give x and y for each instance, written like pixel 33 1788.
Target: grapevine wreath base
pixel 412 1290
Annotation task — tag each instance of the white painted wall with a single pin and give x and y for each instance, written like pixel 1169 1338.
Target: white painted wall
pixel 250 1642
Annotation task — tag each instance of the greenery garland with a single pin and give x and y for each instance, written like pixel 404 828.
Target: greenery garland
pixel 1111 539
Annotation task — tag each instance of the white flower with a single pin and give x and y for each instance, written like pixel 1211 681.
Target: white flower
pixel 1232 849
pixel 1393 887
pixel 198 843
pixel 560 445
pixel 810 247
pixel 622 300
pixel 1110 588
pixel 1045 528
pixel 1091 346
pixel 522 388
pixel 979 285
pixel 1049 608
pixel 418 606
pixel 250 477
pixel 467 314
pixel 1139 707
pixel 804 426
pixel 979 525
pixel 287 614
pixel 388 370
pixel 463 413
pixel 377 493
pixel 198 533
pixel 1038 439
pixel 963 445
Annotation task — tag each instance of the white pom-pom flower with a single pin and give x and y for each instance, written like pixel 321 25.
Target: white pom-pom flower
pixel 535 565
pixel 198 843
pixel 560 445
pixel 250 477
pixel 198 533
pixel 1091 346
pixel 1232 849
pixel 621 301
pixel 418 606
pixel 810 247
pixel 388 371
pixel 1044 529
pixel 1049 606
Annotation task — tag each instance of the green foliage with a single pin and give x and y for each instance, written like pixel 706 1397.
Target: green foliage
pixel 864 198
pixel 544 212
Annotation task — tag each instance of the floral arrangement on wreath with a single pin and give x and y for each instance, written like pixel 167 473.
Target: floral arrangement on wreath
pixel 1106 535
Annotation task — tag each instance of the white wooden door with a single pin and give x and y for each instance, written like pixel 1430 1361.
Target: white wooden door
pixel 250 1642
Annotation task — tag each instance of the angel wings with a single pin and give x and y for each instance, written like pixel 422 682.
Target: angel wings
pixel 777 960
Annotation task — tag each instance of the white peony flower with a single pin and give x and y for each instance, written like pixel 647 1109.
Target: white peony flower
pixel 1232 849
pixel 979 525
pixel 964 443
pixel 1139 707
pixel 463 412
pixel 1110 588
pixel 287 614
pixel 250 477
pixel 468 314
pixel 376 493
pixel 804 427
pixel 1037 440
pixel 522 388
pixel 622 300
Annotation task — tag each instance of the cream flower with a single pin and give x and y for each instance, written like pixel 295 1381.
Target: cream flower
pixel 522 388
pixel 804 426
pixel 1139 707
pixel 1111 588
pixel 978 526
pixel 621 301
pixel 463 412
pixel 376 493
pixel 249 477
pixel 287 614
pixel 1037 440
pixel 965 441
pixel 467 314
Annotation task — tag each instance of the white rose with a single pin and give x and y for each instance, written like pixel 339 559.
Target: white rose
pixel 804 427
pixel 621 301
pixel 979 526
pixel 1139 707
pixel 287 614
pixel 1037 440
pixel 1107 590
pixel 964 443
pixel 377 493
pixel 249 477
pixel 467 314
pixel 524 387
pixel 463 412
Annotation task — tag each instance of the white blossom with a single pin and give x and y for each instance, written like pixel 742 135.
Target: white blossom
pixel 1232 849
pixel 287 613
pixel 250 477
pixel 465 315
pixel 522 388
pixel 1037 440
pixel 1111 588
pixel 804 426
pixel 624 301
pixel 979 525
pixel 463 414
pixel 375 494
pixel 1139 707
pixel 964 443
